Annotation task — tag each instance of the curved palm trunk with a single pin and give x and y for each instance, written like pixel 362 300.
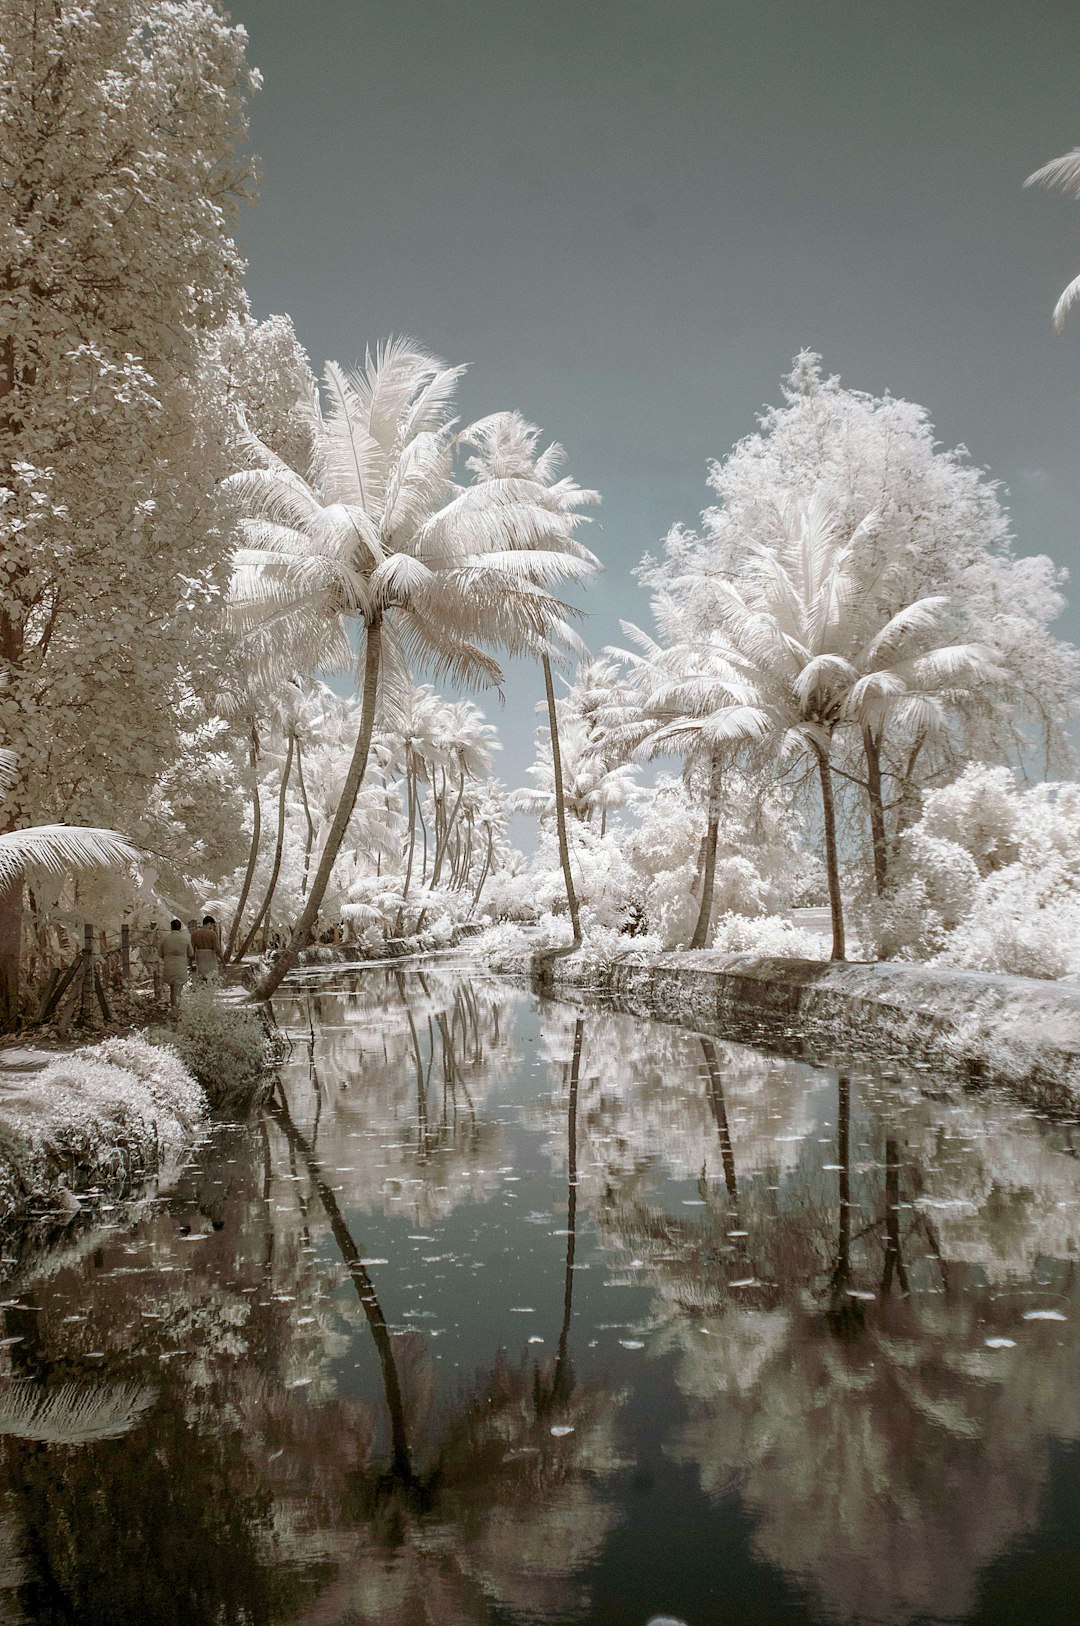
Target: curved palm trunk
pixel 423 831
pixel 560 809
pixel 443 843
pixel 365 1291
pixel 410 788
pixel 872 753
pixel 828 810
pixel 486 868
pixel 465 858
pixel 279 845
pixel 353 780
pixel 310 841
pixel 253 852
pixel 704 920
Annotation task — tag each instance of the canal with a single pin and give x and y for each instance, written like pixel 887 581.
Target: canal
pixel 509 1311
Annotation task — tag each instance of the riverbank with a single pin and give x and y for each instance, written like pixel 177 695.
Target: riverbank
pixel 1018 1032
pixel 84 1127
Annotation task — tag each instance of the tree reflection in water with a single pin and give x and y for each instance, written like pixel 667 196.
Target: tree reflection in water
pixel 816 1262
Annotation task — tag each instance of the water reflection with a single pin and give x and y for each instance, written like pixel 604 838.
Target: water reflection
pixel 494 1297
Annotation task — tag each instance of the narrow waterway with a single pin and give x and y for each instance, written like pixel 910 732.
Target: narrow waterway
pixel 511 1312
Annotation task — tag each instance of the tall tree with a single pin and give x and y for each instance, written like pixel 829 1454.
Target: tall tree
pixel 381 558
pixel 120 121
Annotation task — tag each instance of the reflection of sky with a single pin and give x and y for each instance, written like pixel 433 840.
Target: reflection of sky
pixel 629 217
pixel 779 1458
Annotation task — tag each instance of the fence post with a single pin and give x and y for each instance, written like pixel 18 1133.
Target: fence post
pixel 86 1004
pixel 125 952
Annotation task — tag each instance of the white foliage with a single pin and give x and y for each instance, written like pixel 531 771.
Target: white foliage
pixel 988 879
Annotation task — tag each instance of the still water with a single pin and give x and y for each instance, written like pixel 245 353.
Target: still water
pixel 509 1312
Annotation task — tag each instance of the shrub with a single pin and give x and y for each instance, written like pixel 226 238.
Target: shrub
pixel 225 1046
pixel 765 934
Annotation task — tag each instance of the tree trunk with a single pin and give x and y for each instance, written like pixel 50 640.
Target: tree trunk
pixel 560 807
pixel 486 868
pixel 719 1111
pixel 365 1289
pixel 11 915
pixel 562 1379
pixel 828 811
pixel 310 840
pixel 872 753
pixel 908 801
pixel 253 853
pixel 279 845
pixel 411 794
pixel 444 841
pixel 700 938
pixel 353 780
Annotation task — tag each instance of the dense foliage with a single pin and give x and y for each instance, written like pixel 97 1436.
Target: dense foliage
pixel 846 657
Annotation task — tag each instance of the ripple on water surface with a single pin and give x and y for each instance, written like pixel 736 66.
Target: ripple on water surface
pixel 508 1312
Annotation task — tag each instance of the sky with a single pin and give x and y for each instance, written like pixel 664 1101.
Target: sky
pixel 627 216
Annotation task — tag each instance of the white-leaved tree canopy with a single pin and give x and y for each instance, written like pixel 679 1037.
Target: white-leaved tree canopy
pixel 121 121
pixel 938 555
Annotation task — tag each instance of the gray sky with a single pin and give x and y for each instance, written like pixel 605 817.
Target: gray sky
pixel 628 215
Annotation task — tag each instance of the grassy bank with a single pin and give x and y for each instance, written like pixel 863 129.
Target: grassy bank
pixel 85 1126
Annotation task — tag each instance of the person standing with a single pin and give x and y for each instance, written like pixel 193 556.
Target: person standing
pixel 176 957
pixel 206 943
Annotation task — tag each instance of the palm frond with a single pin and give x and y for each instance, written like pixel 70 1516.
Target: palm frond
pixel 1066 302
pixel 354 464
pixel 59 848
pixel 1061 173
pixel 73 1414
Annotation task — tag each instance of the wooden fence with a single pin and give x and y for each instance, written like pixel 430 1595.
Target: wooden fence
pixel 77 994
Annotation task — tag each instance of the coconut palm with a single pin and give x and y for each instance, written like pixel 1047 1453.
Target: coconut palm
pixel 505 447
pixel 810 641
pixel 1064 174
pixel 689 697
pixel 380 559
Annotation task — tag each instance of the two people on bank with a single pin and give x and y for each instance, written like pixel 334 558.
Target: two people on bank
pixel 196 950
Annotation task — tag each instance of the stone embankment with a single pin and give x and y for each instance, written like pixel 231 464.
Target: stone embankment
pixel 393 948
pixel 1019 1032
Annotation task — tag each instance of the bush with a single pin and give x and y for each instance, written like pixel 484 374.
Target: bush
pixel 225 1046
pixel 764 934
pixel 987 880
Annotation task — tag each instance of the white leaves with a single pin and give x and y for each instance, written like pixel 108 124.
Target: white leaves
pixel 1062 173
pixel 398 579
pixel 59 848
pixel 1065 303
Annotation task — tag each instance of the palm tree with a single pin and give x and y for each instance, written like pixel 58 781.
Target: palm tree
pixel 380 559
pixel 813 645
pixel 1064 174
pixel 505 448
pixel 689 697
